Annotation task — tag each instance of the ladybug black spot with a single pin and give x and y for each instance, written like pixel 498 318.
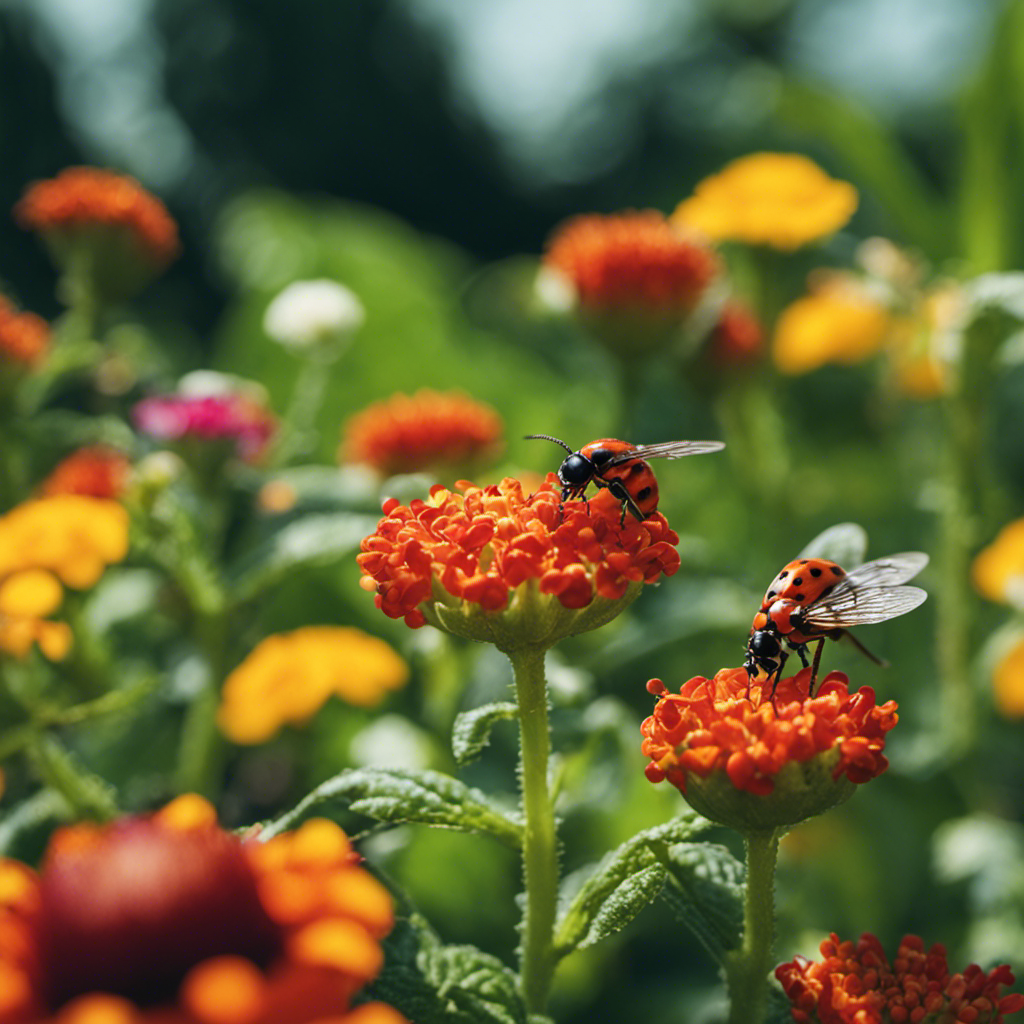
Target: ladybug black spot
pixel 828 590
pixel 804 561
pixel 643 494
pixel 798 581
pixel 836 571
pixel 770 594
pixel 797 597
pixel 637 467
pixel 783 574
pixel 815 571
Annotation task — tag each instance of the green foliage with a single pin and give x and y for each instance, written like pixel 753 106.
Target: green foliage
pixel 472 730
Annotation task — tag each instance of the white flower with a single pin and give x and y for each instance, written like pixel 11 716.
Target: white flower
pixel 307 313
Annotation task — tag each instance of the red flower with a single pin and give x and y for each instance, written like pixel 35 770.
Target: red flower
pixel 407 433
pixel 490 549
pixel 786 760
pixel 96 472
pixel 24 337
pixel 170 920
pixel 81 199
pixel 856 984
pixel 633 261
pixel 737 338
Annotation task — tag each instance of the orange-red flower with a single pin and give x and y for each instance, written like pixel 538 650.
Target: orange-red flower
pixel 168 919
pixel 83 199
pixel 633 261
pixel 427 430
pixel 491 550
pixel 737 338
pixel 97 472
pixel 856 984
pixel 24 337
pixel 743 759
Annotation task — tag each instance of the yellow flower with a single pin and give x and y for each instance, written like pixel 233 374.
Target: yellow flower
pixel 782 200
pixel 66 539
pixel 831 325
pixel 1008 682
pixel 999 569
pixel 290 676
pixel 918 370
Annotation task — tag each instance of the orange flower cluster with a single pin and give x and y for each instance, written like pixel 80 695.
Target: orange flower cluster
pixel 83 198
pixel 96 472
pixel 727 725
pixel 631 261
pixel 481 545
pixel 409 433
pixel 24 337
pixel 856 984
pixel 168 919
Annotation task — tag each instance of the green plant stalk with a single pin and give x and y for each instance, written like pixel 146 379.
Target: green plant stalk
pixel 299 435
pixel 746 970
pixel 88 795
pixel 540 844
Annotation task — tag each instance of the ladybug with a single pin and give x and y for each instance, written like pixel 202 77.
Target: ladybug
pixel 814 599
pixel 622 468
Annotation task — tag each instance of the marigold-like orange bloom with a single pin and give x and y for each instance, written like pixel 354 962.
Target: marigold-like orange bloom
pixel 96 472
pixel 998 569
pixel 82 199
pixel 789 758
pixel 67 539
pixel 856 984
pixel 491 549
pixel 782 200
pixel 832 325
pixel 427 430
pixel 632 262
pixel 289 677
pixel 737 338
pixel 24 337
pixel 168 919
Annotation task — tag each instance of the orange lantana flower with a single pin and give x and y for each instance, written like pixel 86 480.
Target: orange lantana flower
pixel 856 984
pixel 746 760
pixel 168 919
pixel 427 430
pixel 97 472
pixel 493 564
pixel 83 199
pixel 24 337
pixel 781 200
pixel 633 261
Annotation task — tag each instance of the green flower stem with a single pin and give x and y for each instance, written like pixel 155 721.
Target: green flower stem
pixel 540 846
pixel 299 436
pixel 87 794
pixel 747 968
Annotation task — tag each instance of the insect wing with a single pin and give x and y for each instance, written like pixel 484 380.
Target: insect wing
pixel 856 606
pixel 890 571
pixel 667 450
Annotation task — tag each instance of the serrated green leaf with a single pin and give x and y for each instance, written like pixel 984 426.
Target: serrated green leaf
pixel 472 729
pixel 705 886
pixel 624 882
pixel 30 816
pixel 435 984
pixel 310 541
pixel 398 795
pixel 845 543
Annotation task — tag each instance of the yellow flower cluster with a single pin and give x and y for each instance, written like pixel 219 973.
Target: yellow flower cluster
pixel 290 676
pixel 67 539
pixel 780 200
pixel 998 569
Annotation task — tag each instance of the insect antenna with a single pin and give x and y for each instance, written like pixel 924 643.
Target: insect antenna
pixel 548 437
pixel 863 650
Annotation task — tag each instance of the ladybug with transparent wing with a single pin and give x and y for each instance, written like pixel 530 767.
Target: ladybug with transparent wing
pixel 622 468
pixel 815 599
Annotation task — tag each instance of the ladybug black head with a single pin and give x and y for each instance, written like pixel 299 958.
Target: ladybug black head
pixel 764 651
pixel 577 470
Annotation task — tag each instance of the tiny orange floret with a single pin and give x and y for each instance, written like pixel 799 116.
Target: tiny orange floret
pixel 24 337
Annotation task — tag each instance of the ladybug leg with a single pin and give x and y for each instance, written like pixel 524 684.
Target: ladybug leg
pixel 618 488
pixel 801 649
pixel 814 669
pixel 783 657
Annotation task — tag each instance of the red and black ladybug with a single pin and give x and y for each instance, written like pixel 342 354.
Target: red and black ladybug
pixel 814 599
pixel 622 468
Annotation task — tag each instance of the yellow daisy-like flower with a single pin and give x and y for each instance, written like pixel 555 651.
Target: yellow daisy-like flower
pixel 290 676
pixel 1008 682
pixel 998 570
pixel 66 539
pixel 781 200
pixel 833 325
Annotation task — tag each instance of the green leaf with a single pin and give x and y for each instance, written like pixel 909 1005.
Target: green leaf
pixel 28 818
pixel 431 983
pixel 313 540
pixel 624 882
pixel 472 729
pixel 845 543
pixel 705 888
pixel 398 795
